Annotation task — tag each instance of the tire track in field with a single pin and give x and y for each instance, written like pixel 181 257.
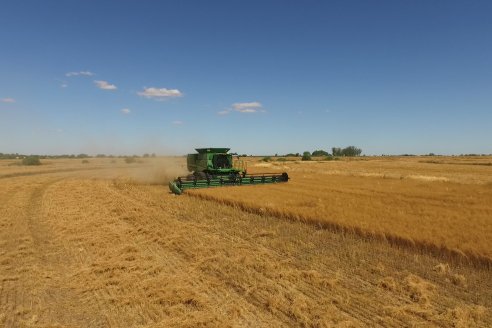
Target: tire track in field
pixel 126 305
pixel 34 282
pixel 60 263
pixel 90 305
pixel 36 173
pixel 17 257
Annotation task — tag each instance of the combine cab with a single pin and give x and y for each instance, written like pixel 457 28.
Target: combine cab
pixel 214 167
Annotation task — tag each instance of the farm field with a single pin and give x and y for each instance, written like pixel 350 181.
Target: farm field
pixel 106 245
pixel 443 205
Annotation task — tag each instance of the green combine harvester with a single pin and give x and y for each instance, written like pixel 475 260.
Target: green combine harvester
pixel 214 167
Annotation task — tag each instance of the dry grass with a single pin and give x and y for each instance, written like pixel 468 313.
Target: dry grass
pixel 423 206
pixel 102 247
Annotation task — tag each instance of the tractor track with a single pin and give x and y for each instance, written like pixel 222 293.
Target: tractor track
pixel 57 259
pixel 53 171
pixel 19 246
pixel 35 253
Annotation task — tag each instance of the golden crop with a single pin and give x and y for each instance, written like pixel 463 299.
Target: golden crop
pixel 106 245
pixel 444 207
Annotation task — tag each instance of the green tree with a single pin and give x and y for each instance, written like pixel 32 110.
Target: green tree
pixel 336 151
pixel 351 151
pixel 31 160
pixel 306 156
pixel 347 151
pixel 320 153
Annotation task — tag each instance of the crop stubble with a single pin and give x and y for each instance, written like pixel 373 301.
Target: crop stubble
pixel 443 209
pixel 94 249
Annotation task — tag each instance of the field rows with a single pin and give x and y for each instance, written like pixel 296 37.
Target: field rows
pixel 432 215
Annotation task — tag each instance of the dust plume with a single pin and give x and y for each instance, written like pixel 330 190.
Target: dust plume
pixel 159 170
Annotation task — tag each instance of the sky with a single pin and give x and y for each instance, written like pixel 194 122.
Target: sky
pixel 260 77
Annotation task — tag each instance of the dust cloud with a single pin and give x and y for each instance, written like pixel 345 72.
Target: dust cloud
pixel 159 170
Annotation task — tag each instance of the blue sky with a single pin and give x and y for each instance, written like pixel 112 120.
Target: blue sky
pixel 262 77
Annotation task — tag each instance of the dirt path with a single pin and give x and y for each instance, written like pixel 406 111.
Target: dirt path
pixel 79 251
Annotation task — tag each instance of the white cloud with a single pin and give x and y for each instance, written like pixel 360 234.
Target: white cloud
pixel 177 122
pixel 8 100
pixel 248 107
pixel 105 85
pixel 126 111
pixel 224 112
pixel 64 85
pixel 85 73
pixel 247 110
pixel 160 94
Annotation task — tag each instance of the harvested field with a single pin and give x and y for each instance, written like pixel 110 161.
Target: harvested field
pixel 445 209
pixel 106 245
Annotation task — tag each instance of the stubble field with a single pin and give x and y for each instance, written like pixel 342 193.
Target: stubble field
pixel 105 245
pixel 440 205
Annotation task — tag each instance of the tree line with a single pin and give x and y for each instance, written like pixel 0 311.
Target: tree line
pixel 350 151
pixel 21 156
pixel 347 151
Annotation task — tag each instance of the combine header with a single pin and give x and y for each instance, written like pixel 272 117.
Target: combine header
pixel 214 167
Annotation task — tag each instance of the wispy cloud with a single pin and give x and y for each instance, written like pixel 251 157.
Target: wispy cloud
pixel 64 85
pixel 126 111
pixel 177 122
pixel 84 73
pixel 160 94
pixel 105 85
pixel 248 107
pixel 244 107
pixel 8 100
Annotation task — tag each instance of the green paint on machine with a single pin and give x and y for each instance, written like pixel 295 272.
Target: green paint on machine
pixel 215 167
